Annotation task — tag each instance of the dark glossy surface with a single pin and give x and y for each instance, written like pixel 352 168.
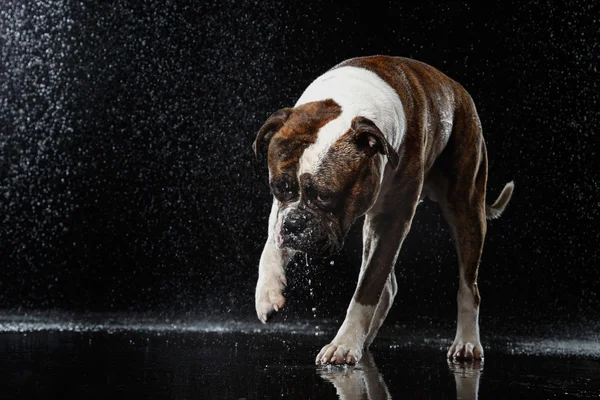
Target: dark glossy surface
pixel 188 359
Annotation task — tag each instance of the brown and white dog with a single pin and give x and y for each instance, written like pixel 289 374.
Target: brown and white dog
pixel 374 136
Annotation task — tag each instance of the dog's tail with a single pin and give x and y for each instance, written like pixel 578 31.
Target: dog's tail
pixel 495 210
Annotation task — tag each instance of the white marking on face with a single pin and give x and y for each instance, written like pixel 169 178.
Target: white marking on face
pixel 278 213
pixel 359 92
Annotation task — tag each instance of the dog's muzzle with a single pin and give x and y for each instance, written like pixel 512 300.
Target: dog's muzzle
pixel 304 231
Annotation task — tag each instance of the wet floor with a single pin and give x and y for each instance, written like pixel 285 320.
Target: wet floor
pixel 42 357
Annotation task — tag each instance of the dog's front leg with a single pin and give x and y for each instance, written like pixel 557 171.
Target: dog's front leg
pixel 271 272
pixel 385 231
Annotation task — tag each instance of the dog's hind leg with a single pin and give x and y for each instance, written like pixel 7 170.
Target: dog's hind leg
pixel 460 191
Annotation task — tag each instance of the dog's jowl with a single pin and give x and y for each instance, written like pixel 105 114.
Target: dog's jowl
pixel 373 136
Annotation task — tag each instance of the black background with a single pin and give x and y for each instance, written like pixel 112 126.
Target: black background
pixel 127 181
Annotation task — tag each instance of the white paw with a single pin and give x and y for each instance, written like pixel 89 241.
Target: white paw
pixel 340 352
pixel 466 349
pixel 269 297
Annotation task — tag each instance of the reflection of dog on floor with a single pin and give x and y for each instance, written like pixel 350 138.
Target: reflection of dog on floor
pixel 466 377
pixel 374 136
pixel 357 383
pixel 367 382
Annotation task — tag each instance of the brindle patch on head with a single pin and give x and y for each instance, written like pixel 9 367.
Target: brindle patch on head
pixel 349 177
pixel 299 131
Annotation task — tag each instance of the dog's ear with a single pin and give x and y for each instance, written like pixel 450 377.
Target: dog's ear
pixel 369 138
pixel 271 126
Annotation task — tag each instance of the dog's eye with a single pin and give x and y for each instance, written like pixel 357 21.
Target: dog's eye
pixel 323 198
pixel 325 201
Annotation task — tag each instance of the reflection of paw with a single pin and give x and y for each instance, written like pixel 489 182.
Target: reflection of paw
pixel 349 382
pixel 466 349
pixel 339 352
pixel 269 297
pixel 470 368
pixel 466 376
pixel 360 382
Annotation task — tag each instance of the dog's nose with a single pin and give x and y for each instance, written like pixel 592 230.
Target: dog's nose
pixel 294 223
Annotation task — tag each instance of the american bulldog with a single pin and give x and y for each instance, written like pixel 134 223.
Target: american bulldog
pixel 373 136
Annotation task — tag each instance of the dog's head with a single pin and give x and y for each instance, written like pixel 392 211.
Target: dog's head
pixel 322 172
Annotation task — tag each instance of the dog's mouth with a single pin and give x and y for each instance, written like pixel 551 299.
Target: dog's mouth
pixel 320 248
pixel 318 241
